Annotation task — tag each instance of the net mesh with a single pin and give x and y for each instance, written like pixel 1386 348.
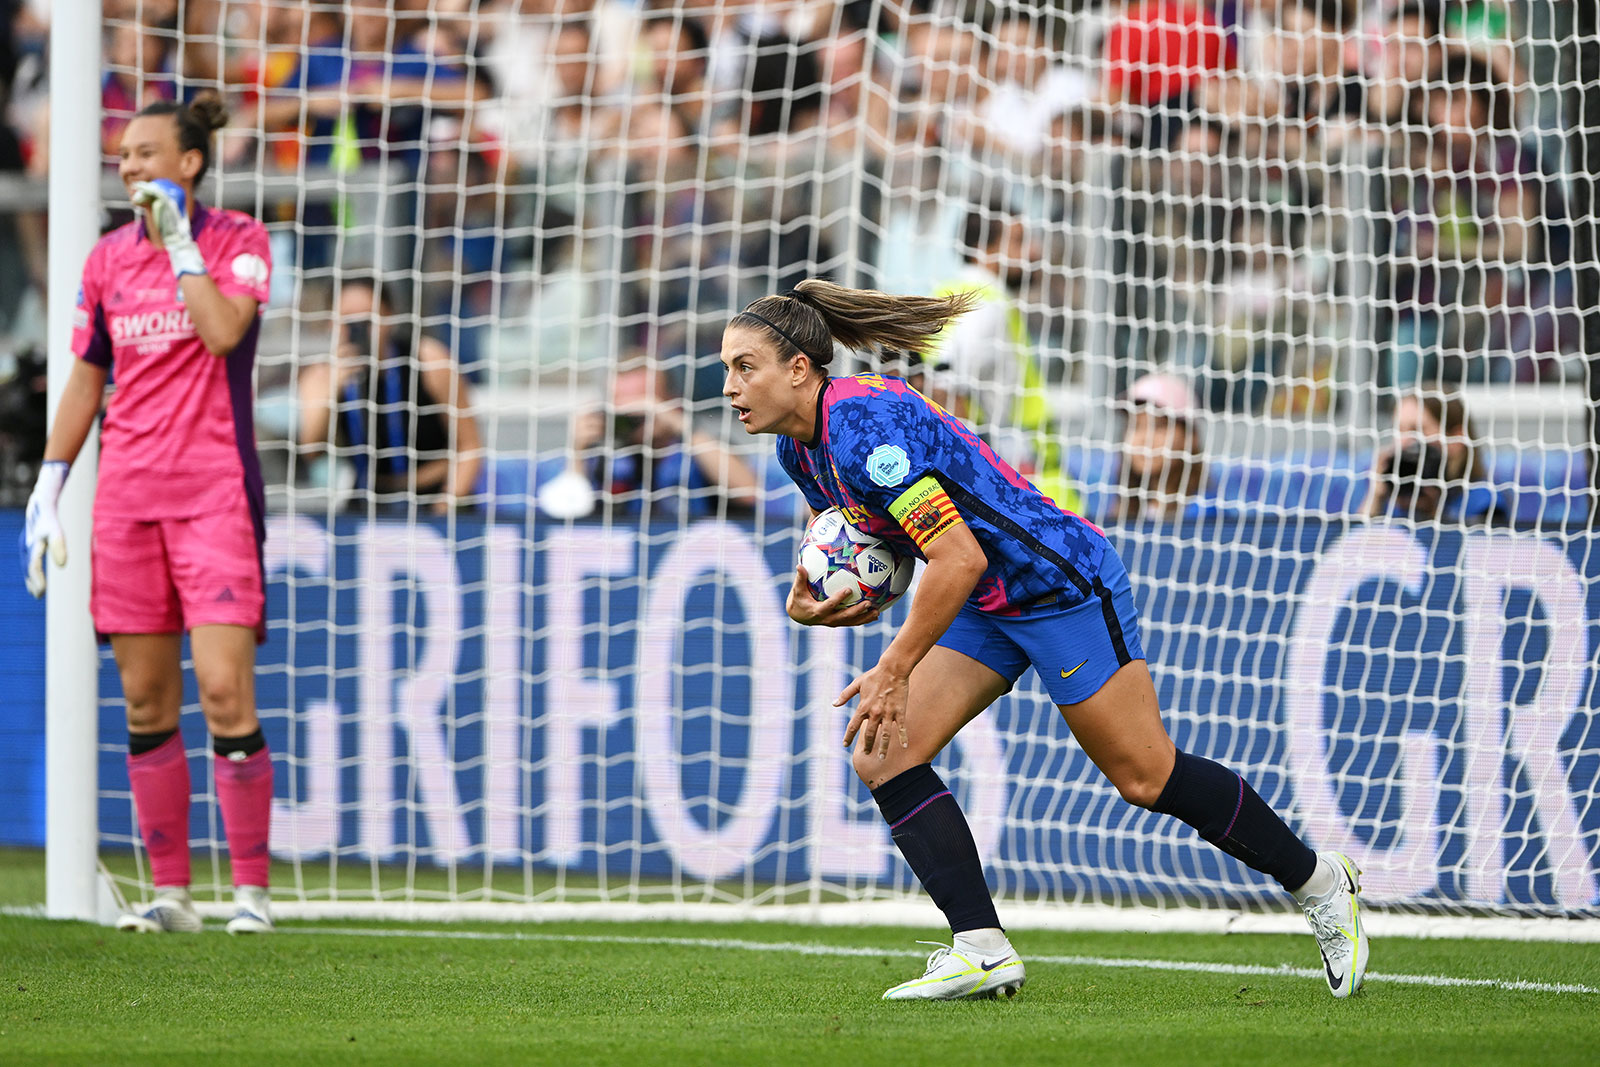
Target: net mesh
pixel 1286 295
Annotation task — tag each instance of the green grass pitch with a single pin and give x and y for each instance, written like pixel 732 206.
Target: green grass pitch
pixel 638 994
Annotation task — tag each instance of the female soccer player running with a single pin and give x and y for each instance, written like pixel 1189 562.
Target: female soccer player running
pixel 170 304
pixel 1011 581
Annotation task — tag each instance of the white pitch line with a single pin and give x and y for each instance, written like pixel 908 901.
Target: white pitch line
pixel 1517 985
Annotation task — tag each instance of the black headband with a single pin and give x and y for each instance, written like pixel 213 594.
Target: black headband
pixel 781 332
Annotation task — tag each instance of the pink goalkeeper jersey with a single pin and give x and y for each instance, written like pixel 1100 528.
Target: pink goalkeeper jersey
pixel 178 439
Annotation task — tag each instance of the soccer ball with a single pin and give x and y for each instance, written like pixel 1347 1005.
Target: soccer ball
pixel 837 555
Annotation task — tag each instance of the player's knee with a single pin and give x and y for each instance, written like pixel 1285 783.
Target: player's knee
pixel 224 699
pixel 152 704
pixel 1139 786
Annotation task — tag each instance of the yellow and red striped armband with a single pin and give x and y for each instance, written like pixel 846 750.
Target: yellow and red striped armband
pixel 925 512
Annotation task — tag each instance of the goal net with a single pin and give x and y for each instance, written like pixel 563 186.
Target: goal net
pixel 1286 296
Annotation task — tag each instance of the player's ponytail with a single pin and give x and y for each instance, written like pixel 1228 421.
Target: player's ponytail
pixel 196 121
pixel 815 314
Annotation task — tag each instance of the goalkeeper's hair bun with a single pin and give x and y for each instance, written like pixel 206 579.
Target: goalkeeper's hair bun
pixel 208 109
pixel 196 121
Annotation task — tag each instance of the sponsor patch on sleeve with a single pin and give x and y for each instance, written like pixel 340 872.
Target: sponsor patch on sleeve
pixel 249 269
pixel 925 511
pixel 888 465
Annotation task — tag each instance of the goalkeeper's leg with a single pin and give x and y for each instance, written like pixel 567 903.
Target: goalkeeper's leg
pixel 224 664
pixel 158 775
pixel 1120 729
pixel 947 690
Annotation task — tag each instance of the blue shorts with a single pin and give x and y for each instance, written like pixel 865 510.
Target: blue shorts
pixel 1076 650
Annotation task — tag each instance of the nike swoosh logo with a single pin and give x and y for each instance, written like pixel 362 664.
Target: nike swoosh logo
pixel 1069 674
pixel 1334 981
pixel 996 963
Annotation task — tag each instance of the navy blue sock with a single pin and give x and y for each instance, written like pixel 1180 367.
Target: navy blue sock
pixel 139 744
pixel 1228 813
pixel 932 834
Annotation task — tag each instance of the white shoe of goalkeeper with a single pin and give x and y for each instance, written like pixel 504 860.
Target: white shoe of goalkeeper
pixel 1339 926
pixel 252 911
pixel 172 911
pixel 957 973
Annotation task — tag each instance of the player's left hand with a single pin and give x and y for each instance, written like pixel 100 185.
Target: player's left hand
pixel 166 209
pixel 881 710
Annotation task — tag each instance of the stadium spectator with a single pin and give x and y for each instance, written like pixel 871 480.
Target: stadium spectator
pixel 1410 53
pixel 171 304
pixel 986 368
pixel 676 249
pixel 1162 472
pixel 1433 468
pixel 639 455
pixel 1030 88
pixel 1480 244
pixel 859 111
pixel 463 246
pixel 678 48
pixel 395 403
pixel 784 197
pixel 137 73
pixel 1157 56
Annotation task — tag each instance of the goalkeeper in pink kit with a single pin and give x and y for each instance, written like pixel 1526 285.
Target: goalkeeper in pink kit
pixel 170 307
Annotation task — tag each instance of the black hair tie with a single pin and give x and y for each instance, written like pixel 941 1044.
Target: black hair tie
pixel 781 332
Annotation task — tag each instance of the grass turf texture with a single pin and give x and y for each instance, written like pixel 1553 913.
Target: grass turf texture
pixel 71 993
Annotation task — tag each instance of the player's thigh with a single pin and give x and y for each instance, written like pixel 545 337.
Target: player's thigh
pixel 1120 729
pixel 151 669
pixel 215 560
pixel 947 690
pixel 130 581
pixel 224 669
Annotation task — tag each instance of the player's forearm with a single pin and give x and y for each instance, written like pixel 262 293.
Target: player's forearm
pixel 722 468
pixel 464 473
pixel 220 323
pixel 945 586
pixel 80 403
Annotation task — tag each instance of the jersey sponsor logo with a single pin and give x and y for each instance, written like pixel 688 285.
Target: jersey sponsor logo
pixel 152 326
pixel 888 465
pixel 80 318
pixel 249 268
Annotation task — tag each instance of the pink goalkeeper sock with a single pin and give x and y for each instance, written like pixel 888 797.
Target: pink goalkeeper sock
pixel 160 781
pixel 244 793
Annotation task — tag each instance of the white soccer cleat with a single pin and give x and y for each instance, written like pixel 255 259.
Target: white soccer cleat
pixel 959 975
pixel 252 912
pixel 172 911
pixel 1336 919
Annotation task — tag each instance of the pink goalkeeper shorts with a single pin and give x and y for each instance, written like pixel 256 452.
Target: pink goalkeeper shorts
pixel 171 575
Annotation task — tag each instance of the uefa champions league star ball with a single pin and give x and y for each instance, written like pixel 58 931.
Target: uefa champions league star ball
pixel 837 555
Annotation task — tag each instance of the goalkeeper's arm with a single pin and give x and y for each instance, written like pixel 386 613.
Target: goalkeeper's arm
pixel 220 321
pixel 41 526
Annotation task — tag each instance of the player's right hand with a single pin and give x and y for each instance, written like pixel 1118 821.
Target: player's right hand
pixel 41 526
pixel 804 608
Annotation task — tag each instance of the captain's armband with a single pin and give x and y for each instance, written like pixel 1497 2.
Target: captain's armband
pixel 925 511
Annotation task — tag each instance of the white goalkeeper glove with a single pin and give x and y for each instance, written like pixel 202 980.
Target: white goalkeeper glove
pixel 168 208
pixel 41 526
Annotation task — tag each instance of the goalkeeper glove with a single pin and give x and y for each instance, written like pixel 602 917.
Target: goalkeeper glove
pixel 41 526
pixel 168 208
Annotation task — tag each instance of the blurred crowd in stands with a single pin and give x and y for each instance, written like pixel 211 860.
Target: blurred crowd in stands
pixel 1264 207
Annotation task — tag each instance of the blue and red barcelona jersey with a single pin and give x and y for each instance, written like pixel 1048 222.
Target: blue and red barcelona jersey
pixel 877 438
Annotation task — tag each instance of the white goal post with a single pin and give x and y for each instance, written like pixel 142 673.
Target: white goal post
pixel 572 690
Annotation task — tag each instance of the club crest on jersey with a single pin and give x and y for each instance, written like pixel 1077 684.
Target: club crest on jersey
pixel 888 465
